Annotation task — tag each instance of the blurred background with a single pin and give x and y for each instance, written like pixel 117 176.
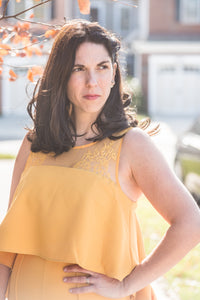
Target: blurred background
pixel 161 67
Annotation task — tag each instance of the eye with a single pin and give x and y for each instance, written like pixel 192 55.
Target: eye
pixel 77 69
pixel 103 67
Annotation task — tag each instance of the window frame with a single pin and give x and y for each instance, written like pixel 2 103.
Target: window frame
pixel 184 14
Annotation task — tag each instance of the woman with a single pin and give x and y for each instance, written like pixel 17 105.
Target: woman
pixel 71 231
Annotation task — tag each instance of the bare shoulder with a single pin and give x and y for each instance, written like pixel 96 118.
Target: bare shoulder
pixel 137 141
pixel 23 153
pixel 19 166
pixel 141 151
pixel 24 150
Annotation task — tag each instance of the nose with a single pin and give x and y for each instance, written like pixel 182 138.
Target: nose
pixel 91 79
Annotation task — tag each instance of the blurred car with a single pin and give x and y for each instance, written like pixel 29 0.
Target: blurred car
pixel 187 160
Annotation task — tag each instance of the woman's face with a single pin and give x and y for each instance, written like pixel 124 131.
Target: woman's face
pixel 91 79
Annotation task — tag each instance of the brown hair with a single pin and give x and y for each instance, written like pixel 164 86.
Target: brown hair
pixel 54 130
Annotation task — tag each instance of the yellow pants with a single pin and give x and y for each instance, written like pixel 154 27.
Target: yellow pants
pixel 34 278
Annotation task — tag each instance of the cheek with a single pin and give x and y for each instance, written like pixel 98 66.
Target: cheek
pixel 105 82
pixel 106 86
pixel 72 88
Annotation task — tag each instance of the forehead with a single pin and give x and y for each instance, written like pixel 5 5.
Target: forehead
pixel 91 52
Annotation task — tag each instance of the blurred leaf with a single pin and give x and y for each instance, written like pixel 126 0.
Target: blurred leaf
pixel 12 74
pixel 34 71
pixel 50 33
pixel 4 52
pixel 37 70
pixel 84 6
pixel 5 46
pixel 34 40
pixel 12 79
pixel 21 54
pixel 30 75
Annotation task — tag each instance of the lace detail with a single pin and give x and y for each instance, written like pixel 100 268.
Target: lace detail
pixel 98 160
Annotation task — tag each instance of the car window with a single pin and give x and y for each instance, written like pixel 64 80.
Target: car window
pixel 196 127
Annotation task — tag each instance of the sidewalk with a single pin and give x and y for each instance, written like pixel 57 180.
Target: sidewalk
pixel 12 132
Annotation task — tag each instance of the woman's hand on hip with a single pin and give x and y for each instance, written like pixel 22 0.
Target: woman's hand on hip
pixel 96 283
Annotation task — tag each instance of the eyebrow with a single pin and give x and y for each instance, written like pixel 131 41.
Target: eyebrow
pixel 99 64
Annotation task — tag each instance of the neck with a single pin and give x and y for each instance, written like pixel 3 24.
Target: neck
pixel 83 125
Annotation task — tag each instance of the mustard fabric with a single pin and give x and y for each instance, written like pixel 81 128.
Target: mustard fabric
pixel 70 209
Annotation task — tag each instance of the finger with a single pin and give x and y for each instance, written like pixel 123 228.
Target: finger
pixel 79 279
pixel 82 290
pixel 77 268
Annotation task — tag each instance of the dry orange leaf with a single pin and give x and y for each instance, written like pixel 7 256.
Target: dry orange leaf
pixel 12 79
pixel 37 51
pixel 4 49
pixel 84 6
pixel 5 46
pixel 37 70
pixel 30 75
pixel 12 74
pixel 0 3
pixel 25 26
pixel 1 60
pixel 34 40
pixel 21 54
pixel 50 33
pixel 31 16
pixel 28 51
pixel 26 41
pixel 3 52
pixel 17 39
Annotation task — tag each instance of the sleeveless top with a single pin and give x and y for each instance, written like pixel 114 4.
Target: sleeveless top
pixel 71 208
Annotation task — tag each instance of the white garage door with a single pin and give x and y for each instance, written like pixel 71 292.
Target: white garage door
pixel 174 85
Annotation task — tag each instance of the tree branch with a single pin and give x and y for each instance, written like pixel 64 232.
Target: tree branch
pixel 22 12
pixel 37 22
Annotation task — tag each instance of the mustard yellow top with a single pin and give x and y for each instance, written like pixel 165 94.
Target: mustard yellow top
pixel 72 209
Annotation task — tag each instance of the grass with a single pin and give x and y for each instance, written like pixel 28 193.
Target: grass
pixel 7 156
pixel 184 278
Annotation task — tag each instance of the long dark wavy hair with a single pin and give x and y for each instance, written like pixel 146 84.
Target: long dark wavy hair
pixel 53 129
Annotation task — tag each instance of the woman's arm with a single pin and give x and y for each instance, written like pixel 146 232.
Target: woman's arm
pixel 18 169
pixel 171 199
pixel 4 276
pixel 19 166
pixel 151 175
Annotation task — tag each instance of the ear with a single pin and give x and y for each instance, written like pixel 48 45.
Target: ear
pixel 114 71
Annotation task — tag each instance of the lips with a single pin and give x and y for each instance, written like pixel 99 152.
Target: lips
pixel 91 96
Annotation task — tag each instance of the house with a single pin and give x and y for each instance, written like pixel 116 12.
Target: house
pixel 118 17
pixel 167 57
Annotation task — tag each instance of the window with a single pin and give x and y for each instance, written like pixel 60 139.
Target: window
pixel 94 14
pixel 41 13
pixel 189 11
pixel 98 12
pixel 125 18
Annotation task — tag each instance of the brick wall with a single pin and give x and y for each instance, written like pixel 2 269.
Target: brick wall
pixel 163 21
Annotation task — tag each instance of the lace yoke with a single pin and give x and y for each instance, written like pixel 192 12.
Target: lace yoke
pixel 99 157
